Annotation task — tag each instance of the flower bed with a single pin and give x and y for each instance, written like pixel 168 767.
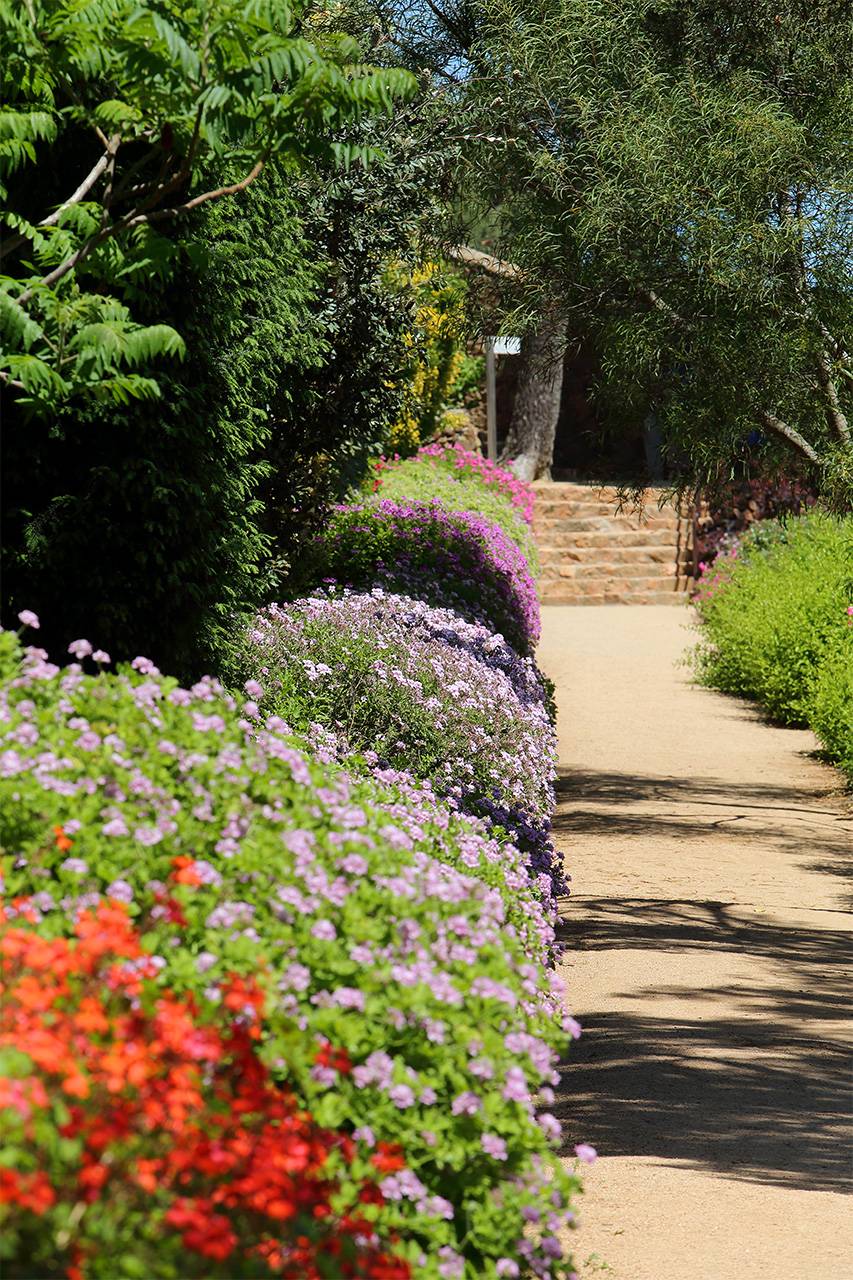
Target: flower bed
pixel 463 481
pixel 400 948
pixel 151 1121
pixel 776 612
pixel 462 462
pixel 442 698
pixel 451 559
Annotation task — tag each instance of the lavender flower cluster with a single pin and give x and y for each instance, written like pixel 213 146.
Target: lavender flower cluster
pixel 453 559
pixel 405 683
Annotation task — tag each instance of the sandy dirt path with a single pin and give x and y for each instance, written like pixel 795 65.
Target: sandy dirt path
pixel 709 963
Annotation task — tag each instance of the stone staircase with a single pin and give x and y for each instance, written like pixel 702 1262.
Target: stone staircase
pixel 590 553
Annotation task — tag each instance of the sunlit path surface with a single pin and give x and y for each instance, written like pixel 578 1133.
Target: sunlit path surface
pixel 709 962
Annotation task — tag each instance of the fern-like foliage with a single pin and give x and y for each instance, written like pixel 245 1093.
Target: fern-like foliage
pixel 161 93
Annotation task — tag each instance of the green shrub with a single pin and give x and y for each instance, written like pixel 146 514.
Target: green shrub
pixel 401 946
pixel 832 709
pixel 772 613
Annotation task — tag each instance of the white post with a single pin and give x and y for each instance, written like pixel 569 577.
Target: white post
pixel 491 403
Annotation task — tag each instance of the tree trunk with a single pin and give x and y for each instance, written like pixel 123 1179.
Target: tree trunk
pixel 529 448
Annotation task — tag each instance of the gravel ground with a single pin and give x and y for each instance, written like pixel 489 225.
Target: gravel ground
pixel 709 949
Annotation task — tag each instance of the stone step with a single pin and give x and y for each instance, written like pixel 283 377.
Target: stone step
pixel 556 539
pixel 614 552
pixel 584 510
pixel 616 597
pixel 598 576
pixel 544 525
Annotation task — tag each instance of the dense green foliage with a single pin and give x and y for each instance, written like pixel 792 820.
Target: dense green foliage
pixel 678 175
pixel 163 107
pixel 157 522
pixel 145 521
pixel 777 614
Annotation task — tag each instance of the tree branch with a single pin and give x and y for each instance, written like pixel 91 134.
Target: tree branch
pixel 779 428
pixel 76 196
pixel 835 417
pixel 133 219
pixel 231 190
pixel 657 303
pixel 486 261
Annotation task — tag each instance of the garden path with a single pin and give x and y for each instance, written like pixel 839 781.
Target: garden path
pixel 708 960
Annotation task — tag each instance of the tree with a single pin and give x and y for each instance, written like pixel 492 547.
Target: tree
pixel 151 99
pixel 677 175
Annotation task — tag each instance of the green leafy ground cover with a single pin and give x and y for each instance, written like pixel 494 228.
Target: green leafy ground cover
pixel 777 615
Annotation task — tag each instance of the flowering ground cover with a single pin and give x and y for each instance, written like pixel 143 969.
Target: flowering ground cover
pixel 144 1136
pixel 462 481
pixel 399 947
pixel 404 682
pixel 777 615
pixel 452 559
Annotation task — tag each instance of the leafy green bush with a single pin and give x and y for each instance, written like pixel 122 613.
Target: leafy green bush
pixel 158 101
pixel 832 709
pixel 375 921
pixel 427 478
pixel 775 613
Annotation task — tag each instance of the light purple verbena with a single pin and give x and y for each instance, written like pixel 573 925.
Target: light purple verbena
pixel 418 688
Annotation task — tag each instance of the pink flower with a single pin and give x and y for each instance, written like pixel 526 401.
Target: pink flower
pixel 80 648
pixel 585 1153
pixel 29 619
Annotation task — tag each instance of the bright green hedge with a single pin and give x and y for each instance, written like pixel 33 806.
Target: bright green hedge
pixel 777 626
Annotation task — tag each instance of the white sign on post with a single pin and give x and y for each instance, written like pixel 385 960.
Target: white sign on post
pixel 495 347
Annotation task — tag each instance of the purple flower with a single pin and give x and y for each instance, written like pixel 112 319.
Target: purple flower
pixel 584 1152
pixel 507 1268
pixel 29 619
pixel 349 998
pixel 402 1096
pixel 146 667
pixel 120 890
pixel 253 689
pixel 206 960
pixel 325 930
pixel 80 649
pixel 101 657
pixel 466 1104
pixel 75 865
pixel 550 1126
pixel 115 827
pixel 365 1134
pixel 493 1146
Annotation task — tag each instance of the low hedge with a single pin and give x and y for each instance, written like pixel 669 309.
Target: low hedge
pixel 452 559
pixel 399 947
pixel 776 614
pixel 454 478
pixel 402 682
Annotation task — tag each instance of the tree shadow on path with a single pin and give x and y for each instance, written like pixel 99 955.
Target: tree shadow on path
pixel 742 1080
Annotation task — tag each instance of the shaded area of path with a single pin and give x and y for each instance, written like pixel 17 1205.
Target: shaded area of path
pixel 709 950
